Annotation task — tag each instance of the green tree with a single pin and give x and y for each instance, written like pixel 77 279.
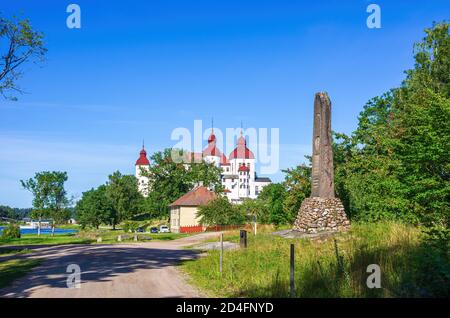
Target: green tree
pixel 220 212
pixel 21 45
pixel 49 196
pixel 297 183
pixel 94 208
pixel 396 164
pixel 12 231
pixel 256 210
pixel 272 197
pixel 122 191
pixel 6 212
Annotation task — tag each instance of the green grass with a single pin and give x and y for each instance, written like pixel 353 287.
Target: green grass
pixel 19 251
pixel 110 236
pixel 34 239
pixel 69 226
pixel 12 269
pixel 88 237
pixel 262 270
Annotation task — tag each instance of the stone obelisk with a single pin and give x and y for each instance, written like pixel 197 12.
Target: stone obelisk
pixel 322 211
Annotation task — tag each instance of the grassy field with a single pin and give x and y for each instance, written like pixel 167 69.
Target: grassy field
pixel 9 252
pixel 34 239
pixel 262 270
pixel 12 269
pixel 88 237
pixel 110 236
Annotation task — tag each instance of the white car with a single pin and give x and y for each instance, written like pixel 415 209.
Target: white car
pixel 164 229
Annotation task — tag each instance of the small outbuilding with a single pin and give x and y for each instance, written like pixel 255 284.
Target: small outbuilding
pixel 183 212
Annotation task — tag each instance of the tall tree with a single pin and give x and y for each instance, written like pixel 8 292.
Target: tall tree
pixel 6 212
pixel 221 212
pixel 272 196
pixel 94 208
pixel 22 45
pixel 396 164
pixel 126 200
pixel 297 183
pixel 49 196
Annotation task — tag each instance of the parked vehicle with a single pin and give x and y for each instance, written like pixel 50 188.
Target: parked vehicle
pixel 154 230
pixel 164 229
pixel 140 230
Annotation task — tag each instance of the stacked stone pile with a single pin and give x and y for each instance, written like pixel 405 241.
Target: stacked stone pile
pixel 321 214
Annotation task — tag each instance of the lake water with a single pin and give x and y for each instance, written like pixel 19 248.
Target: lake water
pixel 43 231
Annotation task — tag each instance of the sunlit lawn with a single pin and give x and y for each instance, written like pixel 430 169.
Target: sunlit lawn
pixel 10 270
pixel 262 270
pixel 89 237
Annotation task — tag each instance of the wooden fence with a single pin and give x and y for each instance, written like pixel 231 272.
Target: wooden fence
pixel 213 228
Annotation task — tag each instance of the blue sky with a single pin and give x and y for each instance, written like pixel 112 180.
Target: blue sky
pixel 139 69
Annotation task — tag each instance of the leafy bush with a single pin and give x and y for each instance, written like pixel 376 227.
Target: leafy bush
pixel 11 231
pixel 130 226
pixel 221 212
pixel 433 272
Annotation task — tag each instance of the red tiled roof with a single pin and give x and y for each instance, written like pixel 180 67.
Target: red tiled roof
pixel 211 149
pixel 211 138
pixel 224 161
pixel 244 168
pixel 142 161
pixel 197 196
pixel 241 151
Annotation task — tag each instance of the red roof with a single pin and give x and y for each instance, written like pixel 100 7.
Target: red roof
pixel 197 196
pixel 241 151
pixel 211 149
pixel 224 161
pixel 212 137
pixel 227 191
pixel 243 168
pixel 142 161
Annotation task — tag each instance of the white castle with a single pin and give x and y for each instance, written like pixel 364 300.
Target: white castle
pixel 239 177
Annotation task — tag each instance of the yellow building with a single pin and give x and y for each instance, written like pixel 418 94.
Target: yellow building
pixel 183 212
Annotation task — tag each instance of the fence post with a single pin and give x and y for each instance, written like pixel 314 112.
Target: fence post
pixel 221 253
pixel 292 286
pixel 243 239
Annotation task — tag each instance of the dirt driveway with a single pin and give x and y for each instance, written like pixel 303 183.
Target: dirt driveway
pixel 122 270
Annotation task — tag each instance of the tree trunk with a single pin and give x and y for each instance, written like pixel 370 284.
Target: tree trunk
pixel 39 227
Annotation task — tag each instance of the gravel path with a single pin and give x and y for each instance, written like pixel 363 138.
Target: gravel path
pixel 119 270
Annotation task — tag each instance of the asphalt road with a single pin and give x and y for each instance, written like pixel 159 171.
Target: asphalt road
pixel 121 270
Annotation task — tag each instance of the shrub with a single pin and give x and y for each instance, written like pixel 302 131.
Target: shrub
pixel 130 226
pixel 220 212
pixel 11 231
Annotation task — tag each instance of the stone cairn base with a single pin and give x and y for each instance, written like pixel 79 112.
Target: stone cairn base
pixel 321 214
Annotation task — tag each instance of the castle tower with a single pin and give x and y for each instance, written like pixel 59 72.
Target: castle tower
pixel 142 164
